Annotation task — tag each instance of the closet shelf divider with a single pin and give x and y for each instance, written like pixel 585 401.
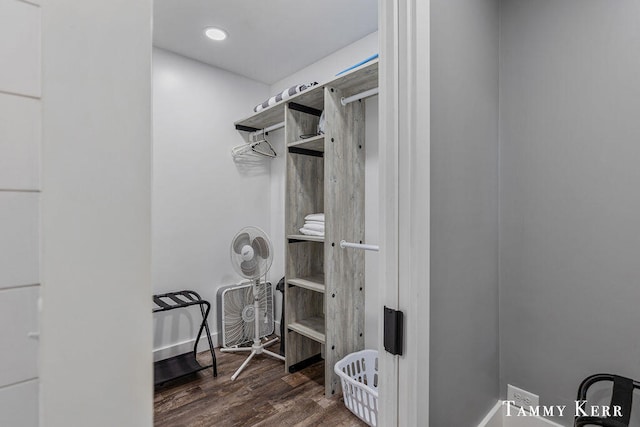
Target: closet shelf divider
pixel 313 283
pixel 311 327
pixel 315 143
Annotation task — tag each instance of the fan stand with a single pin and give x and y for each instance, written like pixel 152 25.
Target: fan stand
pixel 258 346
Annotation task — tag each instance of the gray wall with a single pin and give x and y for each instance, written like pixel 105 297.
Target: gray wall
pixel 464 211
pixel 570 198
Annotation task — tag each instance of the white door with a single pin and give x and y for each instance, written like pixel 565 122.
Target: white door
pixel 20 117
pixel 404 215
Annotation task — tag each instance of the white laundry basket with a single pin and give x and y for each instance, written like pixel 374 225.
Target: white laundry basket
pixel 358 373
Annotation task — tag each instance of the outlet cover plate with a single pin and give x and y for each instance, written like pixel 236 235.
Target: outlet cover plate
pixel 522 398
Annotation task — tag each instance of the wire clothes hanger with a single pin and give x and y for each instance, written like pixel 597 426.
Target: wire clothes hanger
pixel 257 146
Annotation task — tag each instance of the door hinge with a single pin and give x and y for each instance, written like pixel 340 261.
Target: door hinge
pixel 393 327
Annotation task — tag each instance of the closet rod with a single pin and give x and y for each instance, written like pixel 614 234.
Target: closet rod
pixel 345 244
pixel 361 95
pixel 267 129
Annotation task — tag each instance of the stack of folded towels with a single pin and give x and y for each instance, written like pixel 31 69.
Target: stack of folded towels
pixel 313 225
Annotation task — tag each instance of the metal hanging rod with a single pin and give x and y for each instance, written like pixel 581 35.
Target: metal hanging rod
pixel 359 96
pixel 267 129
pixel 345 244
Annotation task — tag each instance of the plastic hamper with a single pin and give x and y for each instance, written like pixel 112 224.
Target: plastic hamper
pixel 358 373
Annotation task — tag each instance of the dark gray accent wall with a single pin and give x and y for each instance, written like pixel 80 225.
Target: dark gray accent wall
pixel 570 193
pixel 464 211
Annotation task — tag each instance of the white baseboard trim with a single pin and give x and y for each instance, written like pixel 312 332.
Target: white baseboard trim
pixel 184 347
pixel 497 417
pixel 493 417
pixel 187 346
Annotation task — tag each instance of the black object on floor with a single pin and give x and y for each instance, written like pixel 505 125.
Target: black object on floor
pixel 184 364
pixel 619 412
pixel 175 367
pixel 305 363
pixel 280 287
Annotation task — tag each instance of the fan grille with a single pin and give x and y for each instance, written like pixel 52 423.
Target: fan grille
pixel 251 253
pixel 238 325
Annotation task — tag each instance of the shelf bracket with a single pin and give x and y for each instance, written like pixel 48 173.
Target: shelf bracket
pixel 305 109
pixel 244 128
pixel 304 151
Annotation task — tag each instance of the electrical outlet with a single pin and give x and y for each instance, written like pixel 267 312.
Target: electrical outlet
pixel 522 398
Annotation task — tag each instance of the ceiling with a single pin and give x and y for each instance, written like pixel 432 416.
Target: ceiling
pixel 268 39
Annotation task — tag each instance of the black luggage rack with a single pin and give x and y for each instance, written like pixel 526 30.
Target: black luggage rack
pixel 183 364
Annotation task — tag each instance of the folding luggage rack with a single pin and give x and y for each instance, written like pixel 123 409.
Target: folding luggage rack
pixel 183 364
pixel 622 394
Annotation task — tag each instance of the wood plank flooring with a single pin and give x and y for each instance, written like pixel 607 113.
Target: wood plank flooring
pixel 263 395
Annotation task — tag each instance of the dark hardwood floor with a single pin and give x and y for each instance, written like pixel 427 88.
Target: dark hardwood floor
pixel 263 395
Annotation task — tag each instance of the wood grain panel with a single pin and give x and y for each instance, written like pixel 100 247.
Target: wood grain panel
pixel 344 216
pixel 315 143
pixel 261 396
pixel 358 80
pixel 352 82
pixel 304 194
pixel 333 184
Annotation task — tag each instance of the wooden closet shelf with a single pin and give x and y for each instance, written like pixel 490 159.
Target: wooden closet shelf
pixel 357 80
pixel 315 143
pixel 311 327
pixel 313 98
pixel 313 283
pixel 352 82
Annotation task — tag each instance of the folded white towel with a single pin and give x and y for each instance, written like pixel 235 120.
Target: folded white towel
pixel 311 232
pixel 315 217
pixel 314 227
pixel 314 222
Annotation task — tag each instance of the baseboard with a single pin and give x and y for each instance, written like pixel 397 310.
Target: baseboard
pixel 493 417
pixel 497 417
pixel 186 346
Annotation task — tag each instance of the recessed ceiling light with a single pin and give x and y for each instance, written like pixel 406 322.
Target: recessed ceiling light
pixel 215 33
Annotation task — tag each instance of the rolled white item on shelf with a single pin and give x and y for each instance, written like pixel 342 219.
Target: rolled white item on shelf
pixel 314 222
pixel 314 227
pixel 308 232
pixel 315 217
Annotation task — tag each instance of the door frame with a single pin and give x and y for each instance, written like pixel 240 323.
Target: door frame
pixel 404 173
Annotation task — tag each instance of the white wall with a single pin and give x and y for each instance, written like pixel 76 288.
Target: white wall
pixel 326 68
pixel 464 336
pixel 323 71
pixel 96 366
pixel 201 198
pixel 20 143
pixel 569 151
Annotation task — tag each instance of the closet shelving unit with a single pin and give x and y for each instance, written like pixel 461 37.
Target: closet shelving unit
pixel 324 296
